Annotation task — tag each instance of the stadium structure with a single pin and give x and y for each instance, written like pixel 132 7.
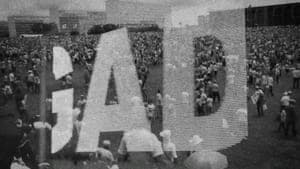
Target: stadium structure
pixel 133 14
pixel 124 12
pixel 18 24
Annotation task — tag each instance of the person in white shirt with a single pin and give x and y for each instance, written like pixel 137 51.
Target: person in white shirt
pixel 158 98
pixel 7 91
pixel 68 80
pixel 30 80
pixel 137 139
pixel 209 105
pixel 169 147
pixel 11 77
pixel 104 153
pixel 285 101
pixel 264 82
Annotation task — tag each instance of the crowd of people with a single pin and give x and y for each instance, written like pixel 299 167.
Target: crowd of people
pixel 21 61
pixel 272 52
pixel 209 59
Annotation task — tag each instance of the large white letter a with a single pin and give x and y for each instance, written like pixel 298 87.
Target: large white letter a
pixel 113 51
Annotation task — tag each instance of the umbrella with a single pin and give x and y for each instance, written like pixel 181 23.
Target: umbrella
pixel 206 160
pixel 141 140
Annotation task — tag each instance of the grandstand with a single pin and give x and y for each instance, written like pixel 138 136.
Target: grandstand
pixel 22 24
pixel 286 14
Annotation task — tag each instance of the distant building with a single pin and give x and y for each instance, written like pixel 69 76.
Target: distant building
pixel 203 20
pixel 273 15
pixel 69 22
pixel 283 14
pixel 92 18
pixel 22 24
pixel 76 20
pixel 124 12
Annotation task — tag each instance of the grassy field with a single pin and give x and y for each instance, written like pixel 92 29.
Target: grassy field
pixel 263 149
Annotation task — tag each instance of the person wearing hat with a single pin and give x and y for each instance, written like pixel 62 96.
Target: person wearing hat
pixel 104 153
pixel 285 101
pixel 260 101
pixel 30 80
pixel 151 111
pixel 81 102
pixel 215 91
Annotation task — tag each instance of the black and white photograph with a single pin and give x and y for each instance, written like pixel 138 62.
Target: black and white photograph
pixel 149 84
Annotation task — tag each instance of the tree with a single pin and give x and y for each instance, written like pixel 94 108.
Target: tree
pixel 109 27
pixel 99 29
pixel 96 29
pixel 150 28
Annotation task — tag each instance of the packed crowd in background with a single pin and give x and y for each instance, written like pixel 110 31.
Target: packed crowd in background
pixel 209 58
pixel 19 55
pixel 272 52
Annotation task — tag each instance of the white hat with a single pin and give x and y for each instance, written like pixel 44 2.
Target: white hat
pixel 106 142
pixel 165 133
pixel 195 140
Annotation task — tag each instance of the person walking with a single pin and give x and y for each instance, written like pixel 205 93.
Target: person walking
pixel 260 102
pixel 296 78
pixel 285 101
pixel 270 85
pixel 277 73
pixel 282 120
pixel 291 119
pixel 215 91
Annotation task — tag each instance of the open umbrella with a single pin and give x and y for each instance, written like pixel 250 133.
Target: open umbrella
pixel 140 140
